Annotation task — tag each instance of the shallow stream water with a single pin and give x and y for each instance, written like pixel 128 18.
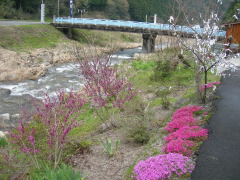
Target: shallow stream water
pixel 66 77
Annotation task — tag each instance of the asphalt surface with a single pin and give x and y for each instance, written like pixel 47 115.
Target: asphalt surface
pixel 219 156
pixel 14 23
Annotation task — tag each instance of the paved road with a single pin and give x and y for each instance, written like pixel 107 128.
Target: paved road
pixel 219 156
pixel 12 23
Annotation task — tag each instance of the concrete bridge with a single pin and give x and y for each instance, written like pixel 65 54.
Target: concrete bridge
pixel 149 31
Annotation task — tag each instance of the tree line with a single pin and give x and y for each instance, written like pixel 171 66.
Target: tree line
pixel 137 10
pixel 232 14
pixel 25 9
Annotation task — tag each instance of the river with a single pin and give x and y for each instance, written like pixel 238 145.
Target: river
pixel 65 77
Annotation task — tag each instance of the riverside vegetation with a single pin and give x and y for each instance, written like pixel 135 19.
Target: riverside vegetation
pixel 47 136
pixel 131 104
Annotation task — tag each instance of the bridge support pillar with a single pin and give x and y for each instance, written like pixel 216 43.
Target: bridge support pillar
pixel 69 33
pixel 148 42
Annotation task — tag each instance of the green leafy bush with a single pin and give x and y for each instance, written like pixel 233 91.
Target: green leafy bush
pixel 140 135
pixel 3 141
pixel 162 71
pixel 138 132
pixel 165 102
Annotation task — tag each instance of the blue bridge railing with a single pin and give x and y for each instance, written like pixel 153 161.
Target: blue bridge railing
pixel 133 24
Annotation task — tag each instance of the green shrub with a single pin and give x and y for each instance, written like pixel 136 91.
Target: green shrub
pixel 162 71
pixel 140 135
pixel 165 102
pixel 137 131
pixel 3 142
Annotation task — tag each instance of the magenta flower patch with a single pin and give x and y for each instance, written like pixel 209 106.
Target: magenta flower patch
pixel 185 131
pixel 163 167
pixel 209 85
pixel 180 146
pixel 180 122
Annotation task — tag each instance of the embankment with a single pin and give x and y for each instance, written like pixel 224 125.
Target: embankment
pixel 27 51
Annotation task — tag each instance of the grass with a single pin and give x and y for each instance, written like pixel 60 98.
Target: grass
pixel 90 123
pixel 103 38
pixel 64 172
pixel 28 37
pixel 158 102
pixel 141 65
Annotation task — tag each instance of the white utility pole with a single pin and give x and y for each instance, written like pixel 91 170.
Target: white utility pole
pixel 71 7
pixel 155 18
pixel 42 12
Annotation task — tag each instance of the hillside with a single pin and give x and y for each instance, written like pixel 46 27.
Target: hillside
pixel 137 10
pixel 231 11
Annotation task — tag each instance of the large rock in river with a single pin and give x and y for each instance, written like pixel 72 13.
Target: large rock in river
pixel 11 107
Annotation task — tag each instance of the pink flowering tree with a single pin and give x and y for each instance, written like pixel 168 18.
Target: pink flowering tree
pixel 205 40
pixel 104 86
pixel 56 117
pixel 23 137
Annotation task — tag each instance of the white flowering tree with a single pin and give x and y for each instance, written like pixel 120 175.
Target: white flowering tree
pixel 204 51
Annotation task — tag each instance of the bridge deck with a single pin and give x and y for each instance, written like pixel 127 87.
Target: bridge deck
pixel 127 26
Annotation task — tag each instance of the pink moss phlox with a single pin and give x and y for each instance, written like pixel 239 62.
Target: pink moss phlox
pixel 180 146
pixel 177 123
pixel 186 111
pixel 209 85
pixel 186 132
pixel 162 167
pixel 184 128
